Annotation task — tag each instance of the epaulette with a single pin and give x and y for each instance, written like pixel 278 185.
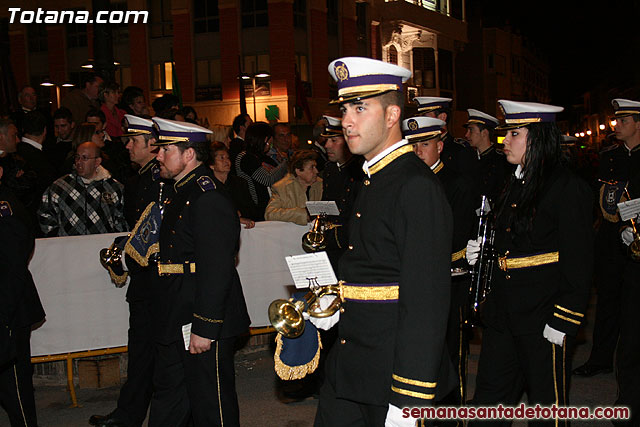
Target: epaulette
pixel 206 183
pixel 610 148
pixel 462 142
pixel 5 209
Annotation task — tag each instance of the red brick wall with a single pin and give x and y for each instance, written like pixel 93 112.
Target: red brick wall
pixel 139 57
pixel 349 37
pixel 229 53
pixel 376 47
pixel 281 48
pixel 18 58
pixel 183 55
pixel 319 59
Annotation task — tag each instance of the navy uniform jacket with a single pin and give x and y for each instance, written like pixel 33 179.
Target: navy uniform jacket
pixel 400 232
pixel 201 226
pixel 20 304
pixel 555 294
pixel 459 192
pixel 140 190
pixel 458 156
pixel 492 173
pixel 617 164
pixel 341 184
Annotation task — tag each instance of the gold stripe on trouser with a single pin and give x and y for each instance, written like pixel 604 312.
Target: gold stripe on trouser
pixel 218 380
pixel 563 379
pixel 555 378
pixel 24 417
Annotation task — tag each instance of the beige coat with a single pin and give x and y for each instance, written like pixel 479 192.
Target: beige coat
pixel 288 200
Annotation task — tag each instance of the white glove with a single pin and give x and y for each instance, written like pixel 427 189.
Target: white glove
pixel 326 323
pixel 627 236
pixel 553 336
pixel 473 251
pixel 395 418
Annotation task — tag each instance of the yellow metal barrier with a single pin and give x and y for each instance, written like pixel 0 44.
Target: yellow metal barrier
pixel 68 357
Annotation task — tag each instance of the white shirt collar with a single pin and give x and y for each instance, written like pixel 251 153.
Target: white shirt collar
pixel 435 165
pixel 367 164
pixel 519 172
pixel 32 143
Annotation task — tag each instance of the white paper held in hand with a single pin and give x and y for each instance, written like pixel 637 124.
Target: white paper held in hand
pixel 186 335
pixel 323 208
pixel 629 209
pixel 311 268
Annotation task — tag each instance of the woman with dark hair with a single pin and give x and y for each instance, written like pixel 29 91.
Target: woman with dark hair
pixel 109 96
pixel 235 188
pixel 290 194
pixel 541 280
pixel 258 169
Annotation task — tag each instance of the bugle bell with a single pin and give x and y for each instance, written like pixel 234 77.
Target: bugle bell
pixel 287 318
pixel 111 260
pixel 315 239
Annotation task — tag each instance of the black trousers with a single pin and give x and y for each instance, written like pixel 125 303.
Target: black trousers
pixel 512 364
pixel 336 412
pixel 196 388
pixel 135 394
pixel 609 269
pixel 628 354
pixel 16 383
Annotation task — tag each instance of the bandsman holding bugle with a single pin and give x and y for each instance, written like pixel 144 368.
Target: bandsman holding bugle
pixel 541 281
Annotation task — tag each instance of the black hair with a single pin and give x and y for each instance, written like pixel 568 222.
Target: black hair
pixel 63 113
pixel 34 123
pixel 201 149
pixel 543 154
pixel 88 78
pixel 238 121
pixel 256 137
pixel 299 158
pixel 96 113
pixel 394 97
pixel 165 102
pixel 130 93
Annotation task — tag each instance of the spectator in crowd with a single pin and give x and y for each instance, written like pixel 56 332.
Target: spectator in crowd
pixel 290 194
pixel 240 124
pixel 172 114
pixel 87 201
pixel 58 148
pixel 318 143
pixel 165 102
pixel 235 188
pixel 20 310
pixel 98 117
pixel 28 100
pixel 281 147
pixel 133 101
pixel 259 170
pixel 85 132
pixel 221 133
pixel 109 97
pixel 30 150
pixel 81 100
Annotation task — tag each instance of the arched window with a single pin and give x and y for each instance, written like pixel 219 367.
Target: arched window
pixel 393 55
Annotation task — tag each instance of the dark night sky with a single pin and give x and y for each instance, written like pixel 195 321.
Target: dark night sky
pixel 588 43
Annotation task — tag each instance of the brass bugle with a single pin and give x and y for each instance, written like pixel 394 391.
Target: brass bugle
pixel 314 240
pixel 286 316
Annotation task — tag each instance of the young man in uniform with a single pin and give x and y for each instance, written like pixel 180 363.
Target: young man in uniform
pixel 198 302
pixel 395 292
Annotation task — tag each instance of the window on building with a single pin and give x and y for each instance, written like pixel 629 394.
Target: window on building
pixel 208 79
pixel 361 20
pixel 491 66
pixel 161 21
pixel 123 76
pixel 302 66
pixel 393 55
pixel 456 9
pixel 332 17
pixel 445 68
pixel 300 14
pixel 162 73
pixel 76 35
pixel 206 17
pixel 424 67
pixel 37 37
pixel 254 13
pixel 501 65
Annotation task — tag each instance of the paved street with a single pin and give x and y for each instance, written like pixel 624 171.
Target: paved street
pixel 259 403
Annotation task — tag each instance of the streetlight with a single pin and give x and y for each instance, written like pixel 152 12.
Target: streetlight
pixel 601 127
pixel 252 77
pixel 48 83
pixel 589 132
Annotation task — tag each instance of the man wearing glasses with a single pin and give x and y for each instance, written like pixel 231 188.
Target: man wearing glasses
pixel 86 201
